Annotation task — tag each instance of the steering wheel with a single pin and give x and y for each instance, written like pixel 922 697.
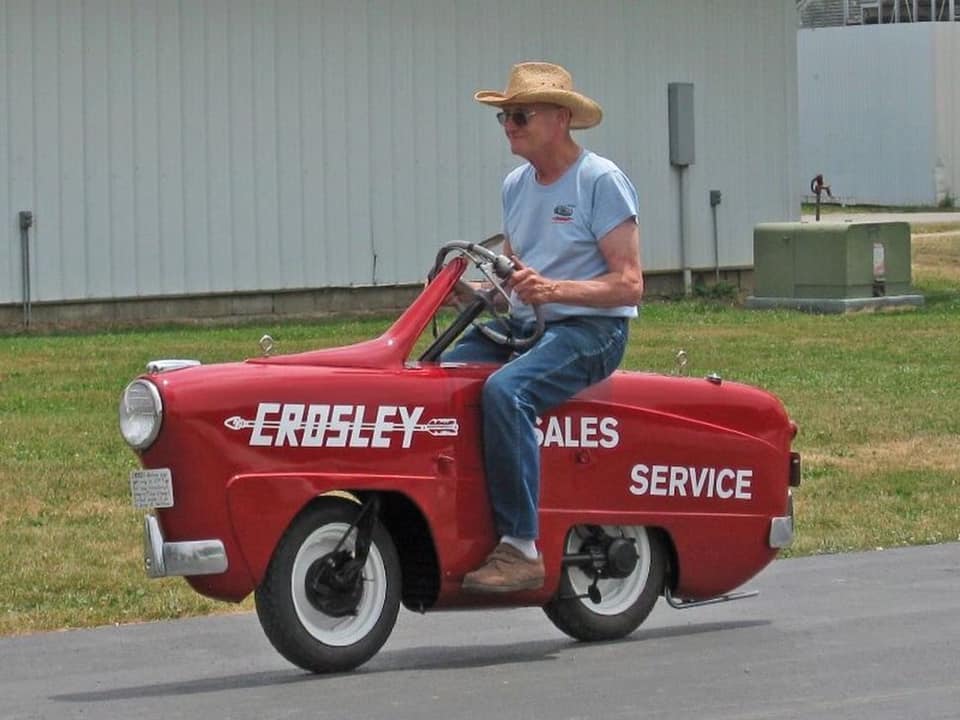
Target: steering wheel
pixel 471 302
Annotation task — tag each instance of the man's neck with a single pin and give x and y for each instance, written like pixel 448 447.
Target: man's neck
pixel 555 161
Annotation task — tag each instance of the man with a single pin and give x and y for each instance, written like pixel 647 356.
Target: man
pixel 570 223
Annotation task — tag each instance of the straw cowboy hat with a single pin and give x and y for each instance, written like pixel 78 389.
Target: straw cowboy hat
pixel 543 82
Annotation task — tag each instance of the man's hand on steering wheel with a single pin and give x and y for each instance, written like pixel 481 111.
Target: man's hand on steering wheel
pixel 530 286
pixel 472 298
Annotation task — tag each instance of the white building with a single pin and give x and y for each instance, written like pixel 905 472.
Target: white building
pixel 834 13
pixel 880 111
pixel 247 151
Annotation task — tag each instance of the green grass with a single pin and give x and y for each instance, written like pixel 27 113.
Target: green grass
pixel 875 395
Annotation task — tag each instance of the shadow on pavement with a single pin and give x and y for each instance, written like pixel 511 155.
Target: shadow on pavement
pixel 417 658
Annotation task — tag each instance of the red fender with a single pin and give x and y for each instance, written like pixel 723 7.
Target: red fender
pixel 261 507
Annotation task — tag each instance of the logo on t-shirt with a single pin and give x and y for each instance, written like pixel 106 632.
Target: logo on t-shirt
pixel 563 213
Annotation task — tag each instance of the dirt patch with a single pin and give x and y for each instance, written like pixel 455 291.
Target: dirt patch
pixel 938 453
pixel 937 256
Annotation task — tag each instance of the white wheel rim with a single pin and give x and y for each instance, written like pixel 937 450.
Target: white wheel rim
pixel 617 594
pixel 338 631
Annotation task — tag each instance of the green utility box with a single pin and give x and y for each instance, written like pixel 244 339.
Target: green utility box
pixel 832 267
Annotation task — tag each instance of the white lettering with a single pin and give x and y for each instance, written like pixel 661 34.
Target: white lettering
pixel 608 428
pixel 554 436
pixel 290 420
pixel 640 484
pixel 688 481
pixel 538 432
pixel 678 476
pixel 321 425
pixel 588 432
pixel 315 426
pixel 700 480
pixel 340 424
pixel 568 432
pixel 257 437
pixel 379 439
pixel 724 474
pixel 658 480
pixel 356 439
pixel 409 419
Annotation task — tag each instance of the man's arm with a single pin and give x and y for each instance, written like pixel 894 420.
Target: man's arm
pixel 621 285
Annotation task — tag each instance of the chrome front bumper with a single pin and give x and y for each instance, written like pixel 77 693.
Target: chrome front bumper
pixel 194 557
pixel 781 528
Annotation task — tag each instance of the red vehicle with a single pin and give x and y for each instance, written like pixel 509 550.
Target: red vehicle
pixel 338 483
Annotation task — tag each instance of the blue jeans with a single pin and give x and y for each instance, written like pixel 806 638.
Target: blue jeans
pixel 572 354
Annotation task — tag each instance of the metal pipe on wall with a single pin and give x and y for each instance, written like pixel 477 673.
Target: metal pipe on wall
pixel 684 250
pixel 26 222
pixel 715 196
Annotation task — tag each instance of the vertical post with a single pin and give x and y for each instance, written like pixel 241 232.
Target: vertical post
pixel 715 196
pixel 684 251
pixel 26 222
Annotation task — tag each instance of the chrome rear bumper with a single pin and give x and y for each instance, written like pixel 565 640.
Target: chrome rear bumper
pixel 781 528
pixel 193 557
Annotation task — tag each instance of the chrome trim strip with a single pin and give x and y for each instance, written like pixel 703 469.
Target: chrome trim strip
pixel 192 557
pixel 781 528
pixel 160 366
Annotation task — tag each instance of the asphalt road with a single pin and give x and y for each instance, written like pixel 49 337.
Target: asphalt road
pixel 869 635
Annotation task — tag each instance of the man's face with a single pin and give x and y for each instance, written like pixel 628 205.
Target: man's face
pixel 531 128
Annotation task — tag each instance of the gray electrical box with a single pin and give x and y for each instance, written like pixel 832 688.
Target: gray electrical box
pixel 680 121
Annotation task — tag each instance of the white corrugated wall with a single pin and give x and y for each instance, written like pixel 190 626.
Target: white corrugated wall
pixel 176 147
pixel 868 111
pixel 947 114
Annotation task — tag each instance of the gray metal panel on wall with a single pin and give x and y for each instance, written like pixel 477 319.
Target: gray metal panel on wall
pixel 169 147
pixel 867 111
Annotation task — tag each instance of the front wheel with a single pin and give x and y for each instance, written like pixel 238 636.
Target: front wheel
pixel 624 602
pixel 319 611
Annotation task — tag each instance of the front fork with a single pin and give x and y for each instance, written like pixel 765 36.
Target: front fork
pixel 334 582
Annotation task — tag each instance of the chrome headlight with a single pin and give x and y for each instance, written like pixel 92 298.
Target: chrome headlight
pixel 141 412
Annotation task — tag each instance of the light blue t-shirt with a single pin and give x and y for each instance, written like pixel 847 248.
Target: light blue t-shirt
pixel 555 228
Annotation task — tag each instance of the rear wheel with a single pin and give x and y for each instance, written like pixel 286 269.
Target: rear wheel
pixel 318 607
pixel 624 602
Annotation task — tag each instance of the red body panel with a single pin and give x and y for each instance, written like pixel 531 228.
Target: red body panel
pixel 250 444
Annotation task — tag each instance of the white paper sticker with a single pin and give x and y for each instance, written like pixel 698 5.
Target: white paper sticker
pixel 879 262
pixel 152 488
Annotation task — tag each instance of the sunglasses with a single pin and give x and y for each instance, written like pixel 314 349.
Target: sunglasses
pixel 519 117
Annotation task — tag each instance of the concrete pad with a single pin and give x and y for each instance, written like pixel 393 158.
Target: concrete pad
pixel 833 306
